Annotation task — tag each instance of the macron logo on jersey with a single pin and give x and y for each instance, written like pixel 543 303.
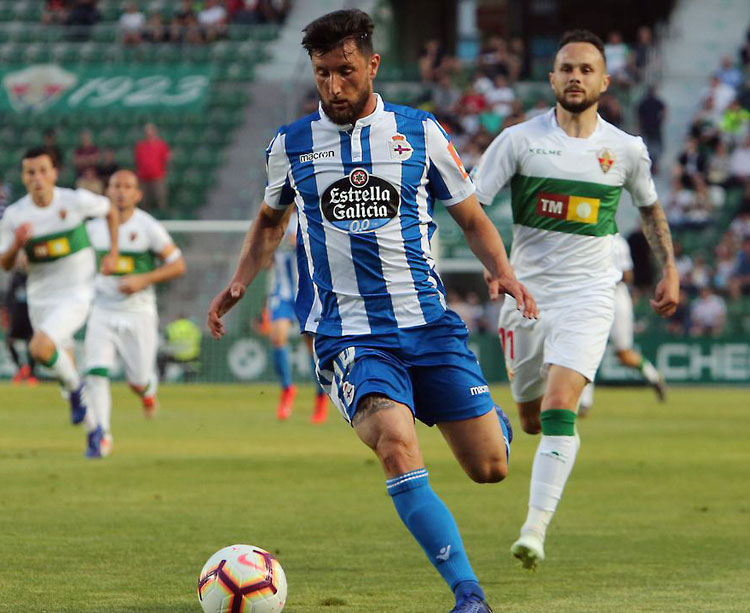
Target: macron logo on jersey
pixel 315 155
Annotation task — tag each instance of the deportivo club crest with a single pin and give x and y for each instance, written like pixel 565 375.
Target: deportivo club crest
pixel 38 87
pixel 399 147
pixel 606 159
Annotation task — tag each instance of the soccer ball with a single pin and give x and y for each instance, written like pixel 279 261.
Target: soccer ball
pixel 242 578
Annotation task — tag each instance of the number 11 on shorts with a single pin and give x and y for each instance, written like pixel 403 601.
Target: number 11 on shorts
pixel 506 340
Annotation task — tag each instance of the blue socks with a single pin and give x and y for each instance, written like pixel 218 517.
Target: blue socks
pixel 432 525
pixel 281 366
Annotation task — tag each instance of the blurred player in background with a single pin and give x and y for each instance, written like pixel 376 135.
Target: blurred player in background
pixel 48 224
pixel 124 320
pixel 621 334
pixel 19 325
pixel 364 175
pixel 566 169
pixel 281 307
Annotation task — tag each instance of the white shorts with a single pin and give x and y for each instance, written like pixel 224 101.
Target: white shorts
pixel 621 334
pixel 60 319
pixel 572 335
pixel 132 336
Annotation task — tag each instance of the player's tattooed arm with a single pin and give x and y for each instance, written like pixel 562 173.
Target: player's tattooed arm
pixel 370 405
pixel 656 229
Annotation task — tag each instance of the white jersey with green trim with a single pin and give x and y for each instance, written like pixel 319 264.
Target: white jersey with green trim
pixel 61 261
pixel 564 194
pixel 141 241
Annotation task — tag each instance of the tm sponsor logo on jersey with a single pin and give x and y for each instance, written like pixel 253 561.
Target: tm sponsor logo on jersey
pixel 360 202
pixel 570 208
pixel 315 155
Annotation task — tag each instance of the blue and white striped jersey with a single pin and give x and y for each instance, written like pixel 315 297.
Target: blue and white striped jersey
pixel 364 196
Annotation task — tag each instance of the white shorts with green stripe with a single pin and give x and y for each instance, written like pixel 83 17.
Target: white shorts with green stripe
pixel 571 335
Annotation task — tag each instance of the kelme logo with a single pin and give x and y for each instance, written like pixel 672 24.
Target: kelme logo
pixel 360 202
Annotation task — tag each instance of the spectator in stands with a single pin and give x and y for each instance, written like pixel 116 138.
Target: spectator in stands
pixel 691 162
pixel 151 160
pixel 738 311
pixel 501 96
pixel 516 115
pixel 610 109
pixel 718 171
pixel 462 308
pixel 720 93
pixel 644 54
pixel 729 74
pixel 651 115
pixel 494 58
pixel 679 322
pixel 83 13
pixel 743 92
pixel 739 162
pixel 742 266
pixel 735 121
pixel 699 276
pixel 155 31
pixel 741 224
pixel 90 180
pixel 184 27
pixel 471 104
pixel 213 21
pixel 617 54
pixel 51 146
pixel 519 66
pixel 86 154
pixel 725 264
pixel 131 23
pixel 108 166
pixel 679 201
pixel 434 61
pixel 54 13
pixel 708 314
pixel 683 263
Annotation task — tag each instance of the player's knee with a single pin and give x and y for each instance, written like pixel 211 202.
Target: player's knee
pixel 493 470
pixel 396 454
pixel 562 398
pixel 41 347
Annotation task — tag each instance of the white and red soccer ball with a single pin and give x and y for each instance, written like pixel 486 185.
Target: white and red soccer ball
pixel 242 579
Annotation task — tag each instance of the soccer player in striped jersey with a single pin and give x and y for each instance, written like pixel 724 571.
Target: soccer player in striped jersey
pixel 48 224
pixel 124 320
pixel 566 170
pixel 281 306
pixel 364 176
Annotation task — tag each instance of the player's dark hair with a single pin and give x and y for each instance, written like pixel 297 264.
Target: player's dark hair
pixel 35 152
pixel 334 29
pixel 582 36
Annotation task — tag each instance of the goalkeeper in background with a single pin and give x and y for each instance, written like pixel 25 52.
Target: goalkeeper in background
pixel 124 320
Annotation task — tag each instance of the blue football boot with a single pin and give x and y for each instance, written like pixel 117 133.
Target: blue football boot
pixel 77 399
pixel 471 603
pixel 94 443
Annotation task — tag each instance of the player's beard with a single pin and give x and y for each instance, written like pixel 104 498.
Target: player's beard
pixel 350 113
pixel 577 107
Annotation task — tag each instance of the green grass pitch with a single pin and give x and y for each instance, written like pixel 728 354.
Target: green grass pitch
pixel 656 516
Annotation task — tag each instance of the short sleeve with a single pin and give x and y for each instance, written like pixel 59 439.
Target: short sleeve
pixel 7 230
pixel 158 237
pixel 279 193
pixel 639 182
pixel 448 179
pixel 496 167
pixel 90 204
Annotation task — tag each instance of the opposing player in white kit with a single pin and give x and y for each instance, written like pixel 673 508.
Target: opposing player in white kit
pixel 566 170
pixel 621 334
pixel 124 320
pixel 48 224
